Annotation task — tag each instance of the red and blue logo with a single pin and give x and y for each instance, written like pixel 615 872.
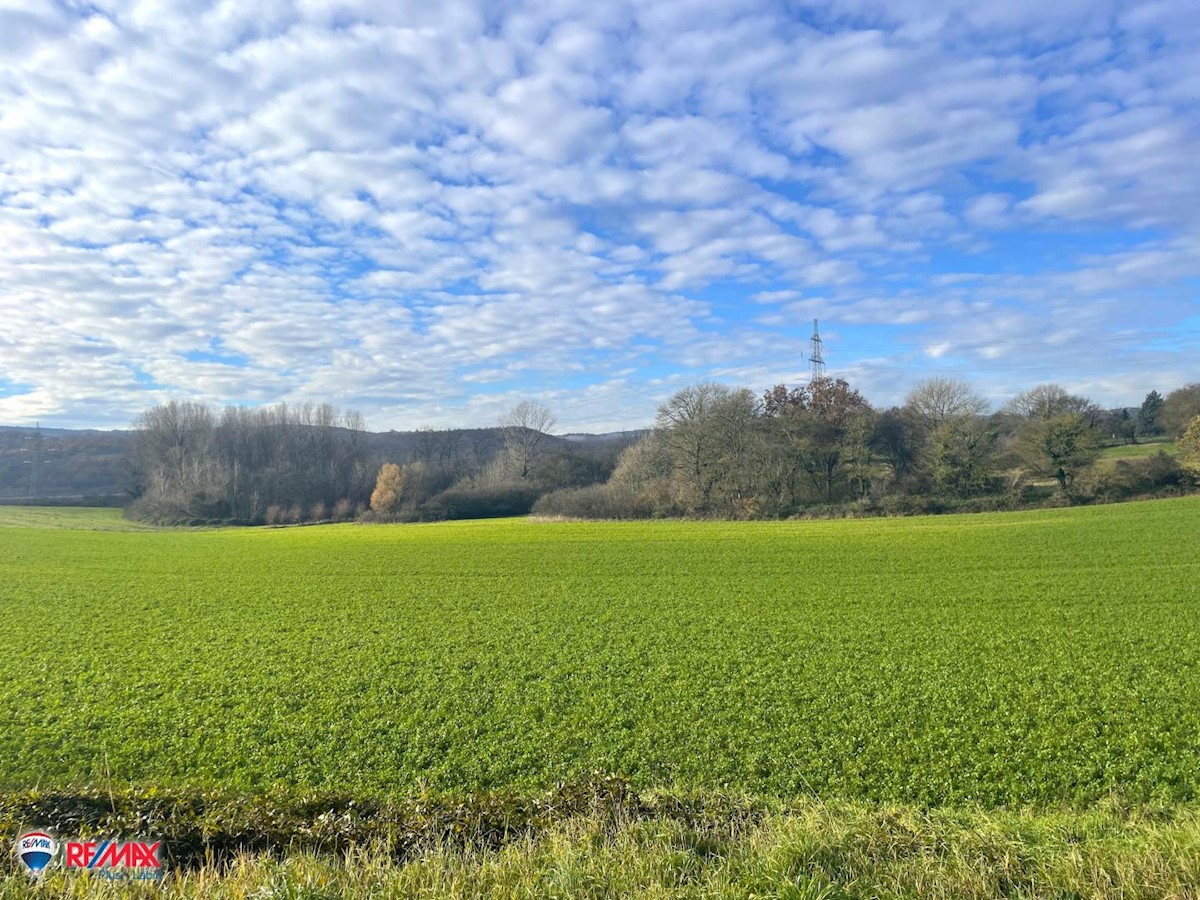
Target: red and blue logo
pixel 36 851
pixel 127 860
pixel 111 859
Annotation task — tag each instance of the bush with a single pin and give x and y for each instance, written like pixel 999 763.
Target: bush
pixel 913 505
pixel 1036 494
pixel 143 510
pixel 596 501
pixel 343 510
pixel 851 509
pixel 164 510
pixel 469 502
pixel 199 827
pixel 933 504
pixel 1134 478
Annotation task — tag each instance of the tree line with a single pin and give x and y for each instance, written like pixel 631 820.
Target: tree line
pixel 285 464
pixel 821 448
pixel 190 462
pixel 714 450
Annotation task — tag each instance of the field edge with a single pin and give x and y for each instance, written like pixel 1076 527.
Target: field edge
pixel 603 839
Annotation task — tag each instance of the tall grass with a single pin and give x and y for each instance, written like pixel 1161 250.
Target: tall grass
pixel 810 851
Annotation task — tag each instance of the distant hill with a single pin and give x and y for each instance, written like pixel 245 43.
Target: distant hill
pixel 606 437
pixel 54 432
pixel 61 462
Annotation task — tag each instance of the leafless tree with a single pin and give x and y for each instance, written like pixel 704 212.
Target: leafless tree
pixel 196 463
pixel 525 427
pixel 425 445
pixel 935 401
pixel 709 432
pixel 1047 401
pixel 687 424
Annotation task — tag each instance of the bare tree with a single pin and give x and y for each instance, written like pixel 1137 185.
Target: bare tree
pixel 938 400
pixel 737 418
pixel 643 464
pixel 690 435
pixel 425 445
pixel 1048 401
pixel 174 450
pixel 525 430
pixel 195 463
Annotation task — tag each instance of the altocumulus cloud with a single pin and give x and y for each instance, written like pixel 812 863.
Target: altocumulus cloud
pixel 424 210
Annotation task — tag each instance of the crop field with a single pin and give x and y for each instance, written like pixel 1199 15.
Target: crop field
pixel 1043 658
pixel 66 517
pixel 1138 451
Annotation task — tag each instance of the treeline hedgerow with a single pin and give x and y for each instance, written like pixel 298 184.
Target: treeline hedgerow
pixel 714 450
pixel 821 449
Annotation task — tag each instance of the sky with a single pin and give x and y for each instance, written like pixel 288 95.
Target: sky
pixel 429 211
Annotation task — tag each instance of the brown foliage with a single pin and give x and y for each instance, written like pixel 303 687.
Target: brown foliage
pixel 385 499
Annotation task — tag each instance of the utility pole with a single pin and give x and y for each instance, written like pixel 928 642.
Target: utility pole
pixel 814 356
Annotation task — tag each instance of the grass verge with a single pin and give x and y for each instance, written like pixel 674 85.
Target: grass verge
pixel 603 839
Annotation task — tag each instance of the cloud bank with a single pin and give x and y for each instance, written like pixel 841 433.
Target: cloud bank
pixel 427 210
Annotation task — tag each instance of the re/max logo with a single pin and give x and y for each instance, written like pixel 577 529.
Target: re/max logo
pixel 112 854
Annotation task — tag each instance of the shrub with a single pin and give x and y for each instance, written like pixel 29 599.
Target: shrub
pixel 1134 477
pixel 596 501
pixel 643 464
pixel 343 510
pixel 274 515
pixel 423 482
pixel 470 502
pixel 318 512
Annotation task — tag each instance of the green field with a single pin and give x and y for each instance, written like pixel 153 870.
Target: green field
pixel 1138 451
pixel 65 517
pixel 1038 658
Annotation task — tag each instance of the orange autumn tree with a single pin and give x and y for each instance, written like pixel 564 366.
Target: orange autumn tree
pixel 385 499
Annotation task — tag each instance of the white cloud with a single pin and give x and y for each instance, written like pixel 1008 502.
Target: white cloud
pixel 395 203
pixel 988 211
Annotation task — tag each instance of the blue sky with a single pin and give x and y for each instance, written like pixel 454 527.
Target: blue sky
pixel 427 211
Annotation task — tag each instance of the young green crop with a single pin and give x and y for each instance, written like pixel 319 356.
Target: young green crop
pixel 1138 451
pixel 1041 657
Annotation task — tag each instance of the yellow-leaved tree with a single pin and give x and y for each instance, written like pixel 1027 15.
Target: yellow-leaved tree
pixel 385 499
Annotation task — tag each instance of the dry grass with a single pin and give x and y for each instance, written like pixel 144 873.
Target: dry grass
pixel 811 851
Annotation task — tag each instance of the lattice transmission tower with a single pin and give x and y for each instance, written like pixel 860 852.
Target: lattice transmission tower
pixel 814 355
